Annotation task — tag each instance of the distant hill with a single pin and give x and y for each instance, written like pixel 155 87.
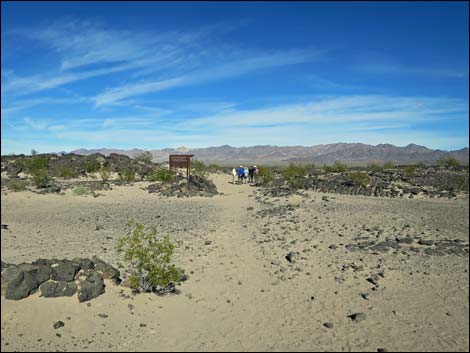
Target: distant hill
pixel 350 153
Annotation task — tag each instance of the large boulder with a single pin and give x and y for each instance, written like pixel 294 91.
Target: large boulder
pixel 108 271
pixel 52 289
pixel 90 286
pixel 64 270
pixel 19 283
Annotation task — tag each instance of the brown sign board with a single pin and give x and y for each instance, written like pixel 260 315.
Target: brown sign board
pixel 181 161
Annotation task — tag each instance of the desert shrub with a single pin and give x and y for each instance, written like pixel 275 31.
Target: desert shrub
pixel 389 165
pixel 374 167
pixel 144 157
pixel 18 185
pixel 161 174
pixel 37 167
pixel 66 172
pixel 92 166
pixel 449 162
pixel 81 190
pixel 127 175
pixel 359 178
pixel 199 168
pixel 214 168
pixel 293 170
pixel 409 170
pixel 104 172
pixel 310 168
pixel 338 167
pixel 265 175
pixel 149 258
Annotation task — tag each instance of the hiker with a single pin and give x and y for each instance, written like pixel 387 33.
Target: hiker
pixel 247 173
pixel 234 174
pixel 241 174
pixel 251 172
pixel 255 174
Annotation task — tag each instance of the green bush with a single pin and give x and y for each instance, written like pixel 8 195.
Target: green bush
pixel 338 167
pixel 163 175
pixel 144 157
pixel 199 168
pixel 92 166
pixel 449 162
pixel 34 152
pixel 149 258
pixel 410 170
pixel 310 168
pixel 18 185
pixel 359 178
pixel 293 170
pixel 127 175
pixel 374 167
pixel 81 190
pixel 37 167
pixel 214 168
pixel 66 172
pixel 389 165
pixel 265 175
pixel 104 172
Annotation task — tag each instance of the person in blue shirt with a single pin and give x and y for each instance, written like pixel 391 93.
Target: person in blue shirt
pixel 241 174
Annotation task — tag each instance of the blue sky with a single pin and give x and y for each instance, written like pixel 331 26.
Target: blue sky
pixel 152 75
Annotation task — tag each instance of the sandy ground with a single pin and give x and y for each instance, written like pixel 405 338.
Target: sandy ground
pixel 242 294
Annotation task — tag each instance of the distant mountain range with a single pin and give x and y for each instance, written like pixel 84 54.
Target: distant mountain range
pixel 349 153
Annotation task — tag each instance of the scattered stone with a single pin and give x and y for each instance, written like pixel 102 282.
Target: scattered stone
pixel 425 242
pixel 357 317
pixel 58 324
pixel 290 256
pixel 4 226
pixel 328 325
pixel 104 316
pixel 374 279
pixel 207 242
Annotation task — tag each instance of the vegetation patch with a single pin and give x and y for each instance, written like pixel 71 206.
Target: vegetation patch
pixel 149 259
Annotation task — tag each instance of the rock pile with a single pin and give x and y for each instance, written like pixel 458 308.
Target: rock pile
pixel 429 182
pixel 197 186
pixel 57 278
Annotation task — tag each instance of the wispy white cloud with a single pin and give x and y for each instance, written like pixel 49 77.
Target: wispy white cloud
pixel 235 68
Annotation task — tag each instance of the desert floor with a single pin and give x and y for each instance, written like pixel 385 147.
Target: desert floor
pixel 242 294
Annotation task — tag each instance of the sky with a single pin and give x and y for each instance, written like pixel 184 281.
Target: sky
pixel 154 75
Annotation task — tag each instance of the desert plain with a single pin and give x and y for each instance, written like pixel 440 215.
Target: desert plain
pixel 310 271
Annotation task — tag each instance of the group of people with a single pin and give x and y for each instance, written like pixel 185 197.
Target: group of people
pixel 245 174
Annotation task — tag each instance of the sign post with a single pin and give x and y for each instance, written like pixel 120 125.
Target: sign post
pixel 181 161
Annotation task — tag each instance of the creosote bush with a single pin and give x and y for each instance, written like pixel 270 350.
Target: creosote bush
pixel 81 190
pixel 144 157
pixel 37 167
pixel 338 167
pixel 199 168
pixel 449 162
pixel 18 185
pixel 410 170
pixel 149 258
pixel 104 172
pixel 127 175
pixel 389 165
pixel 374 167
pixel 359 178
pixel 163 175
pixel 265 175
